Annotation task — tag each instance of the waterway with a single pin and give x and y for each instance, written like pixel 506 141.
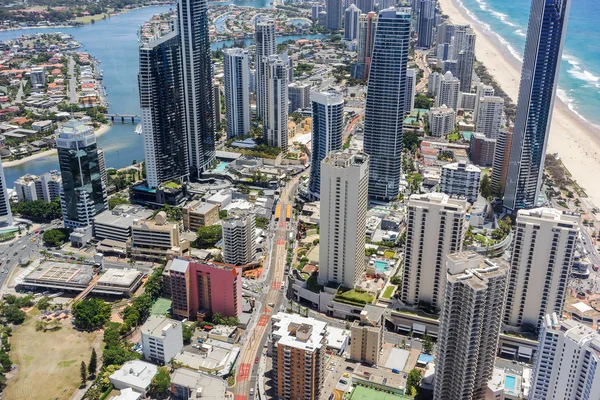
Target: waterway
pixel 114 43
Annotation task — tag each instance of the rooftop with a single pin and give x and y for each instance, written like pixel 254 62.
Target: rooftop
pixel 299 332
pixel 122 216
pixel 119 277
pixel 550 214
pixel 60 272
pixel 210 387
pixel 155 326
pixel 135 373
pixel 200 207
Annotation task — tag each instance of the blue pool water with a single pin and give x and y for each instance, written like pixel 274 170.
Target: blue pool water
pixel 510 382
pixel 221 167
pixel 380 266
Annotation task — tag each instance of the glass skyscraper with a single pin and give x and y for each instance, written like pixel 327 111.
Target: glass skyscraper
pixel 193 23
pixel 539 78
pixel 384 110
pixel 327 131
pixel 163 109
pixel 83 194
pixel 426 23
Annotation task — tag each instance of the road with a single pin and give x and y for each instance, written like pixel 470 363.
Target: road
pixel 72 82
pixel 420 59
pixel 247 367
pixel 18 98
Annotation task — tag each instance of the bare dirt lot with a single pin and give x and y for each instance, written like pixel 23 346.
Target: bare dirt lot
pixel 48 361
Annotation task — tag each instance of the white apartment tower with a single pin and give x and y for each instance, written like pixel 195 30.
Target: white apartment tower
pixel 344 199
pixel 489 116
pixel 469 326
pixel 264 36
pixel 543 247
pixel 448 91
pixel 436 226
pixel 481 91
pixel 239 237
pixel 351 22
pixel 567 362
pixel 162 339
pixel 461 179
pixel 275 118
pixel 433 83
pixel 411 90
pixel 45 187
pixel 237 91
pixel 442 121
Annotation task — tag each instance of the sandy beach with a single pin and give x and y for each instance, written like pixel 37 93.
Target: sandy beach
pixel 576 142
pixel 102 130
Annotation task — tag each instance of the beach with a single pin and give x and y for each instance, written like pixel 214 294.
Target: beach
pixel 576 141
pixel 102 130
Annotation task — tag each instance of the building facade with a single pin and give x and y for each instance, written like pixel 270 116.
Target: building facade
pixel 367 24
pixel 335 14
pixel 5 211
pixel 327 133
pixel 469 326
pixel 501 162
pixel 84 194
pixel 351 22
pixel 384 109
pixel 436 225
pixel 461 179
pixel 275 119
pixel 447 91
pixel 539 79
pixel 163 110
pixel 192 16
pixel 481 150
pixel 264 37
pixel 239 237
pixel 298 347
pixel 344 199
pixel 464 46
pixel 155 239
pixel 45 187
pixel 489 116
pixel 410 91
pixel 299 95
pixel 162 339
pixel 543 249
pixel 426 24
pixel 567 361
pixel 442 121
pixel 236 69
pixel 367 335
pixel 198 214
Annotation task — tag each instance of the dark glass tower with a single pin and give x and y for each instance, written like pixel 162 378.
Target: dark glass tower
pixel 539 78
pixel 327 131
pixel 83 194
pixel 426 23
pixel 384 110
pixel 163 109
pixel 198 83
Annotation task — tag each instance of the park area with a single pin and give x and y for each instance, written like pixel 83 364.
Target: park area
pixel 48 362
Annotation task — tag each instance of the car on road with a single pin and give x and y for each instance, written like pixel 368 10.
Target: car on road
pixel 271 304
pixel 396 371
pixel 330 369
pixel 256 360
pixel 251 391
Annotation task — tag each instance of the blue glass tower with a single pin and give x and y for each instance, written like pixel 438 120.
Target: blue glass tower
pixel 384 109
pixel 426 23
pixel 539 77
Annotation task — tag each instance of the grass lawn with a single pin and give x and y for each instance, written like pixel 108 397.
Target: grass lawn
pixel 49 361
pixel 388 292
pixel 354 296
pixel 389 254
pixel 365 393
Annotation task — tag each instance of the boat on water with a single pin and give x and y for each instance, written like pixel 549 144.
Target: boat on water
pixel 138 129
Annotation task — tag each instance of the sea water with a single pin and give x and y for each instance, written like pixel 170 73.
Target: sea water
pixel 579 80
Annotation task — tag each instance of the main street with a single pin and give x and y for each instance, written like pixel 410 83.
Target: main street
pixel 246 367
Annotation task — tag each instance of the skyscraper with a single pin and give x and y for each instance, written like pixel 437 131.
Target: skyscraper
pixel 410 91
pixel 501 160
pixel 365 6
pixel 367 24
pixel 426 23
pixel 327 133
pixel 539 78
pixel 469 326
pixel 436 227
pixel 481 91
pixel 448 91
pixel 543 249
pixel 275 119
pixel 264 31
pixel 461 179
pixel 237 92
pixel 334 14
pixel 489 116
pixel 351 22
pixel 299 95
pixel 239 237
pixel 162 103
pixel 384 110
pixel 5 211
pixel 566 362
pixel 198 83
pixel 344 198
pixel 84 194
pixel 464 47
pixel 442 121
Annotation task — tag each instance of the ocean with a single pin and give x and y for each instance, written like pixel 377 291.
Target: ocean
pixel 579 80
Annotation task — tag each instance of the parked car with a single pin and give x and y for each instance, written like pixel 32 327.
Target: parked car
pixel 396 371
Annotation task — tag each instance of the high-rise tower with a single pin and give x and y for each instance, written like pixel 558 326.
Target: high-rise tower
pixel 351 22
pixel 539 78
pixel 384 110
pixel 5 212
pixel 162 103
pixel 464 48
pixel 335 14
pixel 275 120
pixel 198 83
pixel 237 92
pixel 367 24
pixel 426 18
pixel 264 36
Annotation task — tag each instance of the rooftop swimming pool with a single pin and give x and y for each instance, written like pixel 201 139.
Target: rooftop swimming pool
pixel 380 266
pixel 222 165
pixel 510 382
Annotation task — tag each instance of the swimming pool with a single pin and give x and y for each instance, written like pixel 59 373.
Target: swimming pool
pixel 510 382
pixel 221 167
pixel 380 266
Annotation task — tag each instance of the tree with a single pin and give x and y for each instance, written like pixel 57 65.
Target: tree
pixel 13 314
pixel 83 372
pixel 188 333
pixel 55 237
pixel 427 344
pixel 413 380
pixel 485 186
pixel 422 101
pixel 91 314
pixel 38 210
pixel 93 363
pixel 115 201
pixel 43 303
pixel 142 304
pixel 161 383
pixel 262 222
pixel 154 283
pixel 208 236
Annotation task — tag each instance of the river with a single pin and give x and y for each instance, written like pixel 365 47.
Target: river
pixel 114 43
